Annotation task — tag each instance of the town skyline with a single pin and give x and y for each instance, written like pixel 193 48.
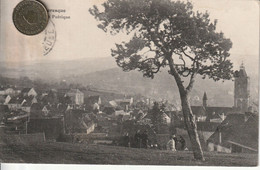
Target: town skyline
pixel 132 82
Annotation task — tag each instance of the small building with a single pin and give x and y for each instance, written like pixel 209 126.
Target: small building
pixel 199 112
pixel 4 99
pixel 7 91
pixel 125 103
pixel 78 121
pixel 94 102
pixel 16 103
pixel 26 105
pixel 121 112
pixel 216 117
pixel 76 96
pixel 46 110
pixel 166 119
pixel 29 92
pixel 109 110
pixel 238 133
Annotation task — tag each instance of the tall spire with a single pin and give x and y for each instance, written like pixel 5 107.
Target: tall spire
pixel 205 98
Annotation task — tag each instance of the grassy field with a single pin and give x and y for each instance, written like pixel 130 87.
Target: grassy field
pixel 66 153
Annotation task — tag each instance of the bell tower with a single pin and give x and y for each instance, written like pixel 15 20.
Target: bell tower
pixel 241 92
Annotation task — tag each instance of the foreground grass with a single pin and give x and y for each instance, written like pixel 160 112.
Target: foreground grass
pixel 66 153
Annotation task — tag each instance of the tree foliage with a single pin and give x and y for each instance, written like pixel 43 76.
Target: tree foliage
pixel 166 33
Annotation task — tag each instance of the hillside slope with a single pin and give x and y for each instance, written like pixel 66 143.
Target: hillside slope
pixel 163 86
pixel 104 74
pixel 100 154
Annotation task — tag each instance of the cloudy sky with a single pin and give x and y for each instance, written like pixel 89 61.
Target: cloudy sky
pixel 79 37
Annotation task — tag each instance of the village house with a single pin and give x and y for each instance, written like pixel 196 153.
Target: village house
pixel 166 119
pixel 4 99
pixel 16 103
pixel 238 133
pixel 26 106
pixel 46 110
pixel 121 112
pixel 7 91
pixel 62 108
pixel 76 96
pixel 199 112
pixel 141 105
pixel 138 114
pixel 29 92
pixel 108 109
pixel 50 97
pixel 29 100
pixel 78 121
pixel 125 103
pixel 216 117
pixel 94 102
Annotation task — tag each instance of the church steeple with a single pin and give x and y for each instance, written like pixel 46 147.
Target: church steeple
pixel 205 98
pixel 242 71
pixel 241 91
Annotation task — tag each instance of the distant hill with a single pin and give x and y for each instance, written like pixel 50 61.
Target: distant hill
pixel 55 70
pixel 163 86
pixel 102 73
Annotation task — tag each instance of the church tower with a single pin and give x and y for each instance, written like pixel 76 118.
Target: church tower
pixel 241 93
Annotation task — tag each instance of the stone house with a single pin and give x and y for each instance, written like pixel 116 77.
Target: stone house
pixel 238 133
pixel 76 96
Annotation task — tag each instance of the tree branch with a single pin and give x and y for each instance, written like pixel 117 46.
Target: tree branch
pixel 187 54
pixel 191 83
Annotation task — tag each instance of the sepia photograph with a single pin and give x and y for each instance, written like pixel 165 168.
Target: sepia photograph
pixel 129 82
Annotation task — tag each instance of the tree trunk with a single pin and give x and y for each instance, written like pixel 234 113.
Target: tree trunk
pixel 189 118
pixel 191 126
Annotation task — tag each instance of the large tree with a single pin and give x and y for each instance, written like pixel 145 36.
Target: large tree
pixel 171 35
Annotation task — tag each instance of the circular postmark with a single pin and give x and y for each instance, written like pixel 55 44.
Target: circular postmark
pixel 30 17
pixel 49 38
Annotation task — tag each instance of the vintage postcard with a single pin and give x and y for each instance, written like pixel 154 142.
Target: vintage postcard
pixel 129 82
